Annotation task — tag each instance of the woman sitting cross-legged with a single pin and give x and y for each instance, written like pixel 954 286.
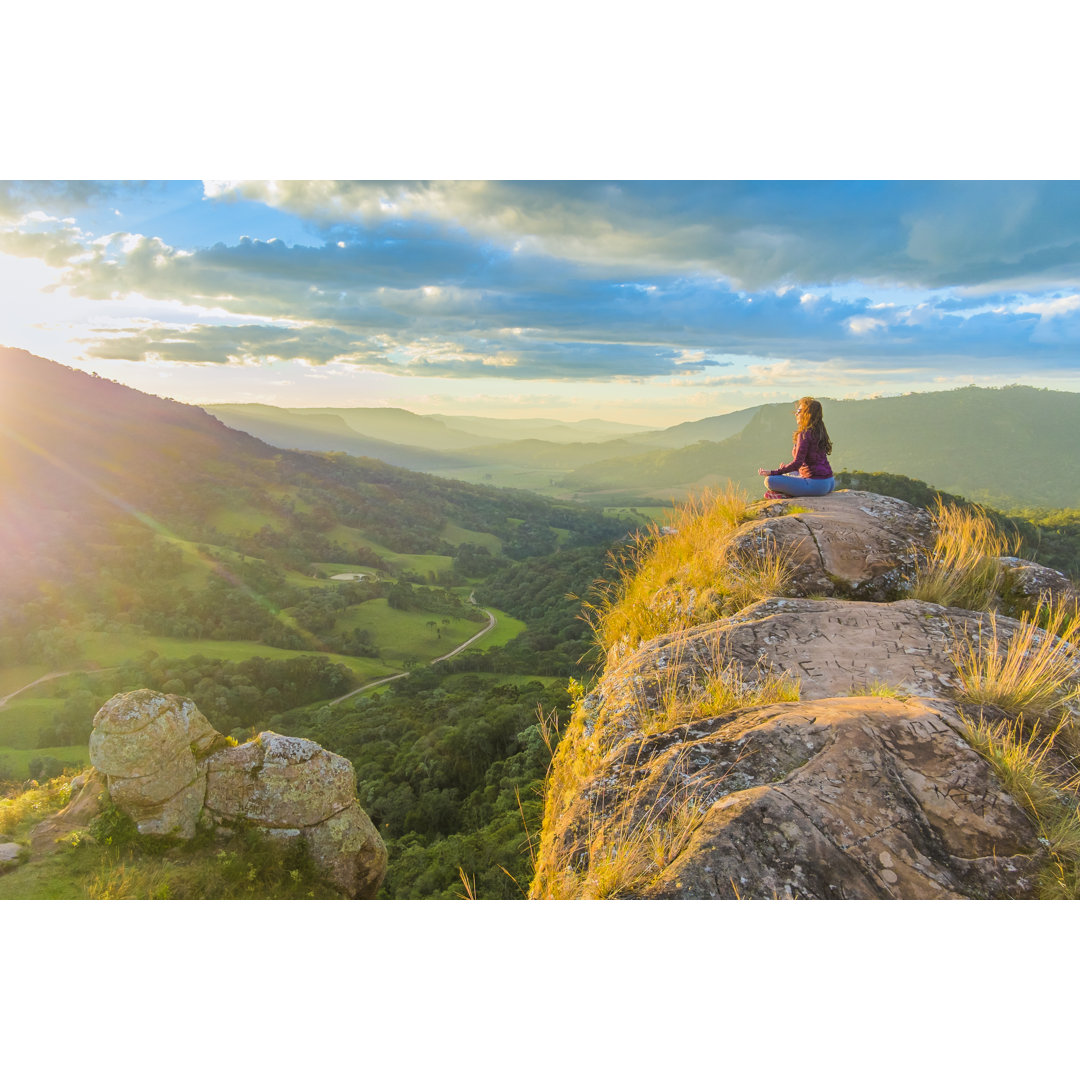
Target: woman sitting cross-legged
pixel 809 458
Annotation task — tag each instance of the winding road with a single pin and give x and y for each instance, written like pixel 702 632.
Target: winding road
pixel 367 686
pixel 402 674
pixel 46 678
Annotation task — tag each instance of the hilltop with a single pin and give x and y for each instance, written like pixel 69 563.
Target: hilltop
pixel 848 698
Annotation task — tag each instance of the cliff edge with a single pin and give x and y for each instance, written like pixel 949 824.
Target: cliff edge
pixel 826 741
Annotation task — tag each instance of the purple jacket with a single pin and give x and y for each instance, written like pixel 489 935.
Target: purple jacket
pixel 807 452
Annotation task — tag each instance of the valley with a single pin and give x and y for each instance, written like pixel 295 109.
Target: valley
pixel 423 627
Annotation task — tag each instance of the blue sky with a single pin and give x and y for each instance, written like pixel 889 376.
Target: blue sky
pixel 651 302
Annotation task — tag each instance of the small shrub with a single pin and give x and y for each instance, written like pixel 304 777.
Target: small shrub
pixel 33 803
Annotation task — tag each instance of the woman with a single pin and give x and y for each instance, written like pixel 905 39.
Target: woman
pixel 809 458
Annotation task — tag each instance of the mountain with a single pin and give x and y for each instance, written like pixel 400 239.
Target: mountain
pixel 330 430
pixel 548 430
pixel 711 428
pixel 81 457
pixel 1010 447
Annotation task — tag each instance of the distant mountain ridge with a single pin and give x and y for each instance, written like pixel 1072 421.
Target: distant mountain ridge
pixel 1012 446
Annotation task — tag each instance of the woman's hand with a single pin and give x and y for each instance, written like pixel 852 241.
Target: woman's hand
pixel 804 472
pixel 763 472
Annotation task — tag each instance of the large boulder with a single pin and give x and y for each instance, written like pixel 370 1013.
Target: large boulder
pixel 11 854
pixel 837 798
pixel 293 788
pixel 350 851
pixel 854 544
pixel 149 746
pixel 166 767
pixel 827 647
pixel 279 781
pixel 863 787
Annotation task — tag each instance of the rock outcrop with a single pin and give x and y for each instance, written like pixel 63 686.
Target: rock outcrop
pixel 863 787
pixel 167 768
pixel 854 544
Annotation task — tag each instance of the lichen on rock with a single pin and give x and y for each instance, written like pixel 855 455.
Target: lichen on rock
pixel 167 768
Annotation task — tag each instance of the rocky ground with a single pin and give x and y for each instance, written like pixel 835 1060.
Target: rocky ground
pixel 865 787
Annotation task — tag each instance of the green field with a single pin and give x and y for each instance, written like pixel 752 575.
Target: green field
pixel 16 677
pixel 506 629
pixel 346 534
pixel 23 717
pixel 405 635
pixel 245 520
pixel 645 514
pixel 15 761
pixel 455 534
pixel 110 650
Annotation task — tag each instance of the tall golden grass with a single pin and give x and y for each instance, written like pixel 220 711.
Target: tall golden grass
pixel 963 569
pixel 626 853
pixel 672 580
pixel 1051 800
pixel 1031 668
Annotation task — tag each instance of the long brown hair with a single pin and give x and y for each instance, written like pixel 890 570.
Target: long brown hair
pixel 814 424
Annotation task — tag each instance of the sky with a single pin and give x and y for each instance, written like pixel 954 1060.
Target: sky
pixel 650 302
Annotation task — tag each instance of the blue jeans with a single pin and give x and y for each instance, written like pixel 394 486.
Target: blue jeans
pixel 796 485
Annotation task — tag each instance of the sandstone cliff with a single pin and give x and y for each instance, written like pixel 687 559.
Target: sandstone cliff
pixel 815 744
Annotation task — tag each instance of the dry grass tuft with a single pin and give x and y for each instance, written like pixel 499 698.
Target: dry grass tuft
pixel 626 853
pixel 963 569
pixel 1033 669
pixel 1021 762
pixel 670 581
pixel 718 686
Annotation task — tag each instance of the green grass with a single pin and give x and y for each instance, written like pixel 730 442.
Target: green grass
pixel 22 718
pixel 402 635
pixel 455 534
pixel 99 864
pixel 245 520
pixel 420 564
pixel 16 760
pixel 110 650
pixel 506 629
